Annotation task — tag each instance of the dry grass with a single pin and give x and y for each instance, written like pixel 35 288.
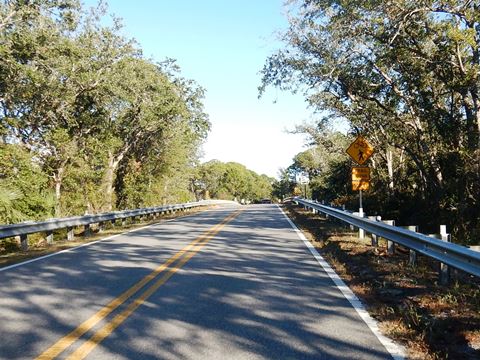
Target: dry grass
pixel 432 321
pixel 11 254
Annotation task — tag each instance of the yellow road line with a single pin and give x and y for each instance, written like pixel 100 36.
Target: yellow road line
pixel 62 344
pixel 108 328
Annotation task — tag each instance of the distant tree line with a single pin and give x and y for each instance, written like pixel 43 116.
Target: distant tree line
pixel 218 180
pixel 406 75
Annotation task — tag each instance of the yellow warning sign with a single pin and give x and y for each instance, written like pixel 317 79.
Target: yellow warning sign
pixel 360 150
pixel 360 174
pixel 360 178
pixel 360 185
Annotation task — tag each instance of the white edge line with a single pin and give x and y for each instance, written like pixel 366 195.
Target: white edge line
pixel 397 351
pixel 10 267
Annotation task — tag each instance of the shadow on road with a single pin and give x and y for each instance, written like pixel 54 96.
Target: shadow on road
pixel 253 291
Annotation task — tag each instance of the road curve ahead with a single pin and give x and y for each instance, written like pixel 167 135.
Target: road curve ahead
pixel 229 283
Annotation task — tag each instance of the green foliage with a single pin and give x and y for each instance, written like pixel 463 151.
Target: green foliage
pixel 24 188
pixel 92 123
pixel 284 187
pixel 231 181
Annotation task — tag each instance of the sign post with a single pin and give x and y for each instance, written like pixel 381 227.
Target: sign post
pixel 360 151
pixel 304 180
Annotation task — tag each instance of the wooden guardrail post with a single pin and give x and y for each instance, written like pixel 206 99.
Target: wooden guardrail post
pixel 49 237
pixel 345 225
pixel 22 241
pixel 374 237
pixel 412 258
pixel 361 232
pixel 87 230
pixel 444 268
pixel 327 217
pixel 390 244
pixel 70 234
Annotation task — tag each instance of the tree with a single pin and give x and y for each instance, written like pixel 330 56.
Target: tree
pixel 232 181
pixel 24 188
pixel 104 126
pixel 406 75
pixel 284 187
pixel 55 72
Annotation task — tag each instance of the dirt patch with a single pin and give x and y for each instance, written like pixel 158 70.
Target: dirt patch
pixel 11 254
pixel 430 320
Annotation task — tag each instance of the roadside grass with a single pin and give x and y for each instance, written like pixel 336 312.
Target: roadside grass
pixel 10 252
pixel 430 320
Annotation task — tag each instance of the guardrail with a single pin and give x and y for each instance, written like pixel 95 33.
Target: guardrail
pixel 454 255
pixel 22 230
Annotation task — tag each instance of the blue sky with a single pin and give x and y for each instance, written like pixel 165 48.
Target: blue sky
pixel 222 45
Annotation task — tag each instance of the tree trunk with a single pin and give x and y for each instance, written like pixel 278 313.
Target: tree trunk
pixel 58 179
pixel 390 169
pixel 476 110
pixel 421 169
pixel 109 177
pixel 473 121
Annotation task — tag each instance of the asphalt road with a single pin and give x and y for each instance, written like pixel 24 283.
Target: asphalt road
pixel 228 283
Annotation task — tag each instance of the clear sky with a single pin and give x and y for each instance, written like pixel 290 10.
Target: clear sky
pixel 223 45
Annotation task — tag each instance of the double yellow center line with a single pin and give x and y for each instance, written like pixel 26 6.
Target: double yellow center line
pixel 182 256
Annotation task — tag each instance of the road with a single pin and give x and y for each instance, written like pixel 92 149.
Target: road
pixel 228 283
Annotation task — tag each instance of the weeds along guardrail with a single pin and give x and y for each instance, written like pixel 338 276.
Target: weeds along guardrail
pixel 22 230
pixel 448 254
